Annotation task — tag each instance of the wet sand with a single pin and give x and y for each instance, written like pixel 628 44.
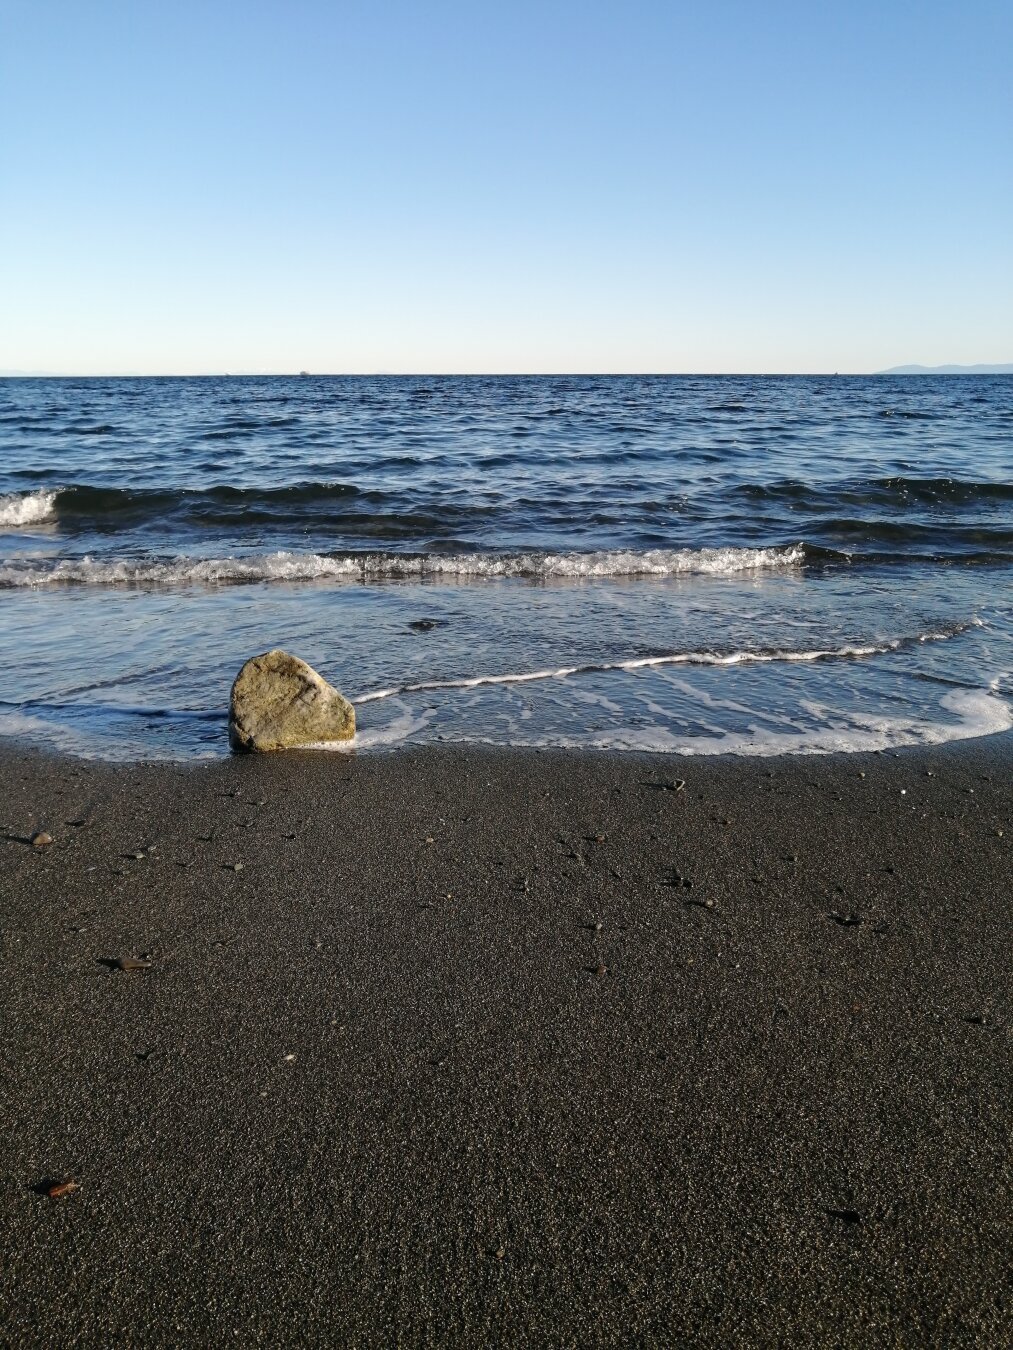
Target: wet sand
pixel 483 1048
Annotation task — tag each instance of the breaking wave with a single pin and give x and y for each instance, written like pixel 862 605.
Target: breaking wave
pixel 26 508
pixel 295 567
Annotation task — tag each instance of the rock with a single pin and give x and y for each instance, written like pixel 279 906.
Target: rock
pixel 41 839
pixel 279 703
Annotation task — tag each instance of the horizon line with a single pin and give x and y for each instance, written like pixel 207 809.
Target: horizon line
pixel 1006 368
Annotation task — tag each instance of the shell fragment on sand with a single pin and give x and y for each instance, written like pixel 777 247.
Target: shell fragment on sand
pixel 59 1189
pixel 279 702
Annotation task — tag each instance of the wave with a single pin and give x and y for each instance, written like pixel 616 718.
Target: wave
pixel 967 556
pixel 339 508
pixel 114 505
pixel 27 508
pixel 897 490
pixel 104 728
pixel 978 713
pixel 296 567
pixel 400 501
pixel 758 656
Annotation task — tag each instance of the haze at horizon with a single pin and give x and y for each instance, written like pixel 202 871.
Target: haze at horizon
pixel 558 188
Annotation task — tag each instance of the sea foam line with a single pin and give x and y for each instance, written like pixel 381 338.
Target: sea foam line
pixel 849 652
pixel 290 567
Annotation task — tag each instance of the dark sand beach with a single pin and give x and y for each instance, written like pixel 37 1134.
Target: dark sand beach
pixel 497 1048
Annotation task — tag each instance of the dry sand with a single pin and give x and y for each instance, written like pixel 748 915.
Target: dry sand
pixel 460 1057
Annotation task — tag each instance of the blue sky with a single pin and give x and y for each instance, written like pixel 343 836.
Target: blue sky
pixel 721 186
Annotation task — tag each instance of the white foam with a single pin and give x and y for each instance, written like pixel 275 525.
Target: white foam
pixel 26 508
pixel 394 733
pixel 978 712
pixel 740 658
pixel 286 566
pixel 89 571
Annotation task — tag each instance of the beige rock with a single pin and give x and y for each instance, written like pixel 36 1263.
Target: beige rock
pixel 279 703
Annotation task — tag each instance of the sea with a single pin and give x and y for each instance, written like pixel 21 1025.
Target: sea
pixel 699 565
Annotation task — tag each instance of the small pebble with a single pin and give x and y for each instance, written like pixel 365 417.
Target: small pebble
pixel 132 963
pixel 40 839
pixel 233 867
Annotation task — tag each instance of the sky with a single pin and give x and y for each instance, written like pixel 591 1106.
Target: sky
pixel 277 185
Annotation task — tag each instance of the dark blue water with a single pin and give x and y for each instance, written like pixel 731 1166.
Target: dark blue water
pixel 699 564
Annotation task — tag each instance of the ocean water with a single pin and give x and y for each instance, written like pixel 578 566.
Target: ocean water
pixel 740 565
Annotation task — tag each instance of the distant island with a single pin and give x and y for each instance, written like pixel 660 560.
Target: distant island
pixel 948 370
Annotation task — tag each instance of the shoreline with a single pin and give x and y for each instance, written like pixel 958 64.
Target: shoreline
pixel 484 1045
pixel 370 743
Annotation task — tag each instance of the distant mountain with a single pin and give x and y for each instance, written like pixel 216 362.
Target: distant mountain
pixel 947 370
